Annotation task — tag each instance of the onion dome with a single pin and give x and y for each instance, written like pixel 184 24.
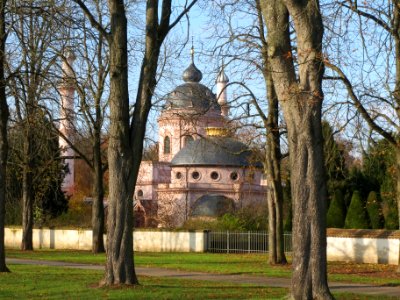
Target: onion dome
pixel 192 74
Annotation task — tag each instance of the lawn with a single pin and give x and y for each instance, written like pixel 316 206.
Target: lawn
pixel 41 282
pixel 250 264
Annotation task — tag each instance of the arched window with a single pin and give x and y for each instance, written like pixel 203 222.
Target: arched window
pixel 167 145
pixel 187 140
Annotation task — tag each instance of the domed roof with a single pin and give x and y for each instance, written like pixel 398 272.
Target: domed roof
pixel 192 94
pixel 192 74
pixel 222 77
pixel 212 206
pixel 215 151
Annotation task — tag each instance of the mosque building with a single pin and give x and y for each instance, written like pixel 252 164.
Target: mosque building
pixel 202 170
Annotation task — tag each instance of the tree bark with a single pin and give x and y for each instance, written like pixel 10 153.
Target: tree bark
pixel 301 98
pixel 3 135
pixel 397 152
pixel 120 266
pixel 273 156
pixel 27 193
pixel 98 194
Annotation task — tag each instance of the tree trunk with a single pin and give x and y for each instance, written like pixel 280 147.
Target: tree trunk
pixel 274 172
pixel 3 135
pixel 300 94
pixel 98 195
pixel 27 193
pixel 120 266
pixel 397 150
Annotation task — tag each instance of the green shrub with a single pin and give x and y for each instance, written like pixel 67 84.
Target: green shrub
pixel 356 217
pixel 336 216
pixel 374 211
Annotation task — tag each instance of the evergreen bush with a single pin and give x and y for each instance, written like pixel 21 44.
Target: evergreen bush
pixel 336 216
pixel 356 217
pixel 374 210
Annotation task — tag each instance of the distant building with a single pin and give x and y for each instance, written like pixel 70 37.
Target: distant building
pixel 201 171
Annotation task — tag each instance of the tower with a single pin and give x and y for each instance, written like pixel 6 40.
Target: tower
pixel 222 96
pixel 67 92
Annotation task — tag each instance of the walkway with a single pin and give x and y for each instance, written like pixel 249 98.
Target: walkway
pixel 393 291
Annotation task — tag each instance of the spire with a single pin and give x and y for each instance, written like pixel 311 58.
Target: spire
pixel 222 97
pixel 192 51
pixel 192 73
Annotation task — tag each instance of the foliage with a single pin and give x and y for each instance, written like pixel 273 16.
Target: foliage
pixel 48 173
pixel 247 218
pixel 336 213
pixel 389 205
pixel 374 210
pixel 334 155
pixel 356 217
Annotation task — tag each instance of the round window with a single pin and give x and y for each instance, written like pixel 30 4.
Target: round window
pixel 178 175
pixel 195 175
pixel 214 175
pixel 140 193
pixel 234 176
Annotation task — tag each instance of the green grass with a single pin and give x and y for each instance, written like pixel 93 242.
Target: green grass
pixel 41 282
pixel 248 264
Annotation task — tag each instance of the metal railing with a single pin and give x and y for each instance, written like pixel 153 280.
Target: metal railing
pixel 242 242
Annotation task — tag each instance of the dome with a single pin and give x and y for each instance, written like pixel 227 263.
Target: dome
pixel 192 74
pixel 222 77
pixel 192 94
pixel 212 206
pixel 215 151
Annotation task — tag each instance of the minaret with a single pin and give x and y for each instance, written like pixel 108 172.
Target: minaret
pixel 67 92
pixel 222 81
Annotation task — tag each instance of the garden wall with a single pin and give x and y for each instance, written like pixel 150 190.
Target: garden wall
pixel 146 241
pixel 368 246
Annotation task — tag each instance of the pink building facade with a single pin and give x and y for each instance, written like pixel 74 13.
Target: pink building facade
pixel 202 171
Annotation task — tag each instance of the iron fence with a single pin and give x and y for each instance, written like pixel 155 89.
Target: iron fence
pixel 242 242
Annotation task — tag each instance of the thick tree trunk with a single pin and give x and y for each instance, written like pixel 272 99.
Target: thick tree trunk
pixel 300 95
pixel 120 266
pixel 309 196
pixel 98 195
pixel 27 193
pixel 3 136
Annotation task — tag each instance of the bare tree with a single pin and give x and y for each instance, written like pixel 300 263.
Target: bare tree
pixel 127 134
pixel 299 91
pixel 90 82
pixel 247 44
pixel 3 133
pixel 374 88
pixel 33 28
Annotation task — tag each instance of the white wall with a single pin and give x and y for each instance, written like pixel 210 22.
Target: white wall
pixel 146 241
pixel 351 249
pixel 366 250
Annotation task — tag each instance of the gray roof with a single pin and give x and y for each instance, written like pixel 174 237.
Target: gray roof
pixel 212 206
pixel 215 151
pixel 192 94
